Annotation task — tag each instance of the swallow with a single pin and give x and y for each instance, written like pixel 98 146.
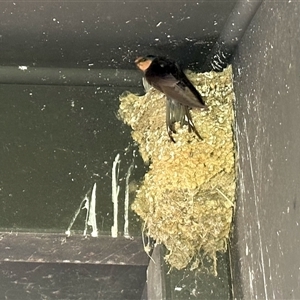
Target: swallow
pixel 166 76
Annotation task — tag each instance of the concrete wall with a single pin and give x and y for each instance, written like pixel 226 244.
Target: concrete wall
pixel 266 243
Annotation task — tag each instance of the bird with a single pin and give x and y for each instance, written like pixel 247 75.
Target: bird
pixel 166 76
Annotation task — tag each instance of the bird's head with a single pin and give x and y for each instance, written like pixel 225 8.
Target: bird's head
pixel 144 62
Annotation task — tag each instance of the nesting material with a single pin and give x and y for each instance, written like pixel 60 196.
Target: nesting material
pixel 187 198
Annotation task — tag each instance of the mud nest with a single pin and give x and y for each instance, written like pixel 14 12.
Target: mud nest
pixel 187 198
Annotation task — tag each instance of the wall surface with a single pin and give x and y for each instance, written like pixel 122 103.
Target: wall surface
pixel 107 34
pixel 266 241
pixel 63 65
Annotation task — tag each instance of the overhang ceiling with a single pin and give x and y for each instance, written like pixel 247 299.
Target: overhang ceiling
pixel 105 34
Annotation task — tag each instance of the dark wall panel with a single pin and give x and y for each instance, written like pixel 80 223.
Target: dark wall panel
pixel 267 226
pixel 107 34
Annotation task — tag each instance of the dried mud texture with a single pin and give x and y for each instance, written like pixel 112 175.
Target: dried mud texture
pixel 187 198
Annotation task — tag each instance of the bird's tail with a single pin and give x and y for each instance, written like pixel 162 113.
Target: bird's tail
pixel 176 112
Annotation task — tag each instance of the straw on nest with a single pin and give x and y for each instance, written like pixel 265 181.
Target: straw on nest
pixel 186 199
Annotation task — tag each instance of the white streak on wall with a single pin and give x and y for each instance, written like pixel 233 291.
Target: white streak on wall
pixel 115 193
pixel 126 205
pixel 86 205
pixel 23 68
pixel 92 213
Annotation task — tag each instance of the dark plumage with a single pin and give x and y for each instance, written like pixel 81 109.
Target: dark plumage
pixel 166 76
